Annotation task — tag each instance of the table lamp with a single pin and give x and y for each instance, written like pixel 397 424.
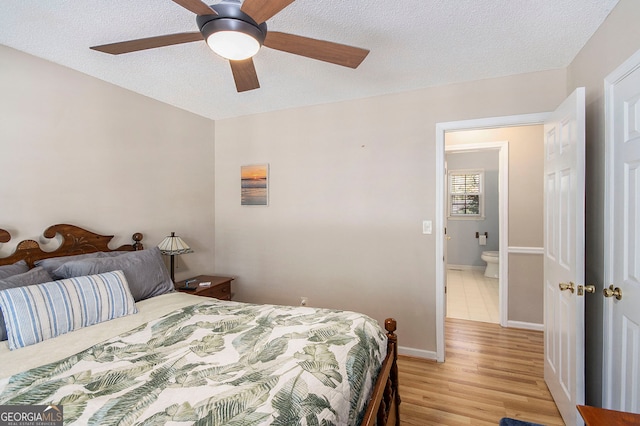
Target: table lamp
pixel 173 245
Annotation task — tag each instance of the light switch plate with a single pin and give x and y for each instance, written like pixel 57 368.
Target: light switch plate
pixel 426 227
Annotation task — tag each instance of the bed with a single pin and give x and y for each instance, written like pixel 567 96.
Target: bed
pixel 154 356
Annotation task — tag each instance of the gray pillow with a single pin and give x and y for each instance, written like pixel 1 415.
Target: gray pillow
pixel 54 263
pixel 34 276
pixel 17 268
pixel 145 271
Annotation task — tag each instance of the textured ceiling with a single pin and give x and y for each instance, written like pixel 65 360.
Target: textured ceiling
pixel 414 44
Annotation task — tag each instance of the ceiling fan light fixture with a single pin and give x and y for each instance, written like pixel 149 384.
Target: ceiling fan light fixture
pixel 237 36
pixel 233 45
pixel 233 39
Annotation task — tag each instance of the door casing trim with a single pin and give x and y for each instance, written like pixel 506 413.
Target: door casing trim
pixel 441 129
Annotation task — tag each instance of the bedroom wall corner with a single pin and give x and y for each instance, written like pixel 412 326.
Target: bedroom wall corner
pixel 75 149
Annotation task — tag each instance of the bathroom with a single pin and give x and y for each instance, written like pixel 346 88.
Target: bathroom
pixel 473 234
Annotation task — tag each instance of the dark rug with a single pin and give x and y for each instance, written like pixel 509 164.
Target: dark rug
pixel 506 421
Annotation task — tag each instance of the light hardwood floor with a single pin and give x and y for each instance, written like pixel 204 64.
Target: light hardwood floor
pixel 490 372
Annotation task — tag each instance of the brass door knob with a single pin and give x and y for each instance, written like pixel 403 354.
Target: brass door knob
pixel 586 288
pixel 612 292
pixel 565 286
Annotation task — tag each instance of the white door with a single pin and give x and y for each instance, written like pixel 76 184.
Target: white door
pixel 621 381
pixel 564 255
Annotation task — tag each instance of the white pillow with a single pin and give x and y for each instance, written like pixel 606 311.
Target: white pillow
pixel 38 312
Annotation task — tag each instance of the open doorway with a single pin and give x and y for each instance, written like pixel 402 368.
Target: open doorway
pixel 477 178
pixel 520 301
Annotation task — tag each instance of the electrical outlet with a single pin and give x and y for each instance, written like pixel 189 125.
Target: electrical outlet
pixel 303 301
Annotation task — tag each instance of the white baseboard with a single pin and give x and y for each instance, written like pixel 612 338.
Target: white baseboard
pixel 525 325
pixel 465 267
pixel 418 353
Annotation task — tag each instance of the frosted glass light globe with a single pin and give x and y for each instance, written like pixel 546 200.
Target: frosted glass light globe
pixel 233 45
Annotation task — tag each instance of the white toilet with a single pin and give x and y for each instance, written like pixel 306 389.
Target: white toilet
pixel 492 258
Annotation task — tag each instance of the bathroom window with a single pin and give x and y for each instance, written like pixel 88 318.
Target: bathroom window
pixel 466 194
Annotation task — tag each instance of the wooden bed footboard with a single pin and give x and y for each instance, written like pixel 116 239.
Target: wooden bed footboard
pixel 384 406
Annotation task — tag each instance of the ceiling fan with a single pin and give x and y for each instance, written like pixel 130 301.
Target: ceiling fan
pixel 236 30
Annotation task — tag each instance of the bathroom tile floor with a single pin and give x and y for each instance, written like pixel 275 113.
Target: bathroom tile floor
pixel 472 296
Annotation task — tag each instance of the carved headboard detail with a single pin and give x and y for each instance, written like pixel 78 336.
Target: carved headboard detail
pixel 4 236
pixel 75 240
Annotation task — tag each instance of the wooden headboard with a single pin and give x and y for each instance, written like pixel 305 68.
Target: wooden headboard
pixel 75 240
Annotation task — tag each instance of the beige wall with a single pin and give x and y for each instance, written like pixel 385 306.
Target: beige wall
pixel 74 149
pixel 351 184
pixel 526 202
pixel 615 41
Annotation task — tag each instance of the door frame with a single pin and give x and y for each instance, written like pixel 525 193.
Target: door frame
pixel 502 148
pixel 441 129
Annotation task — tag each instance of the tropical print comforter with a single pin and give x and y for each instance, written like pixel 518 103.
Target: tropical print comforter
pixel 217 363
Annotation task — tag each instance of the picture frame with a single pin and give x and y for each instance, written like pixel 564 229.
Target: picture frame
pixel 254 185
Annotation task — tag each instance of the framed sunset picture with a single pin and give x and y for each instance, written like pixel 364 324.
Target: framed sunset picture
pixel 254 187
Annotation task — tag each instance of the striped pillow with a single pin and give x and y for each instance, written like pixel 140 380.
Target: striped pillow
pixel 38 312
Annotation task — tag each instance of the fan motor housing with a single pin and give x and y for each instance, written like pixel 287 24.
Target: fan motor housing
pixel 231 18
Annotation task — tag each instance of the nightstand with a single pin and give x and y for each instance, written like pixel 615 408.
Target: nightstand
pixel 220 287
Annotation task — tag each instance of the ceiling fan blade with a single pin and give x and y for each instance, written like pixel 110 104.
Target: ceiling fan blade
pixel 244 74
pixel 339 54
pixel 262 10
pixel 196 6
pixel 148 43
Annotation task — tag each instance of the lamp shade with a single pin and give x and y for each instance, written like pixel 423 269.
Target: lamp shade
pixel 173 245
